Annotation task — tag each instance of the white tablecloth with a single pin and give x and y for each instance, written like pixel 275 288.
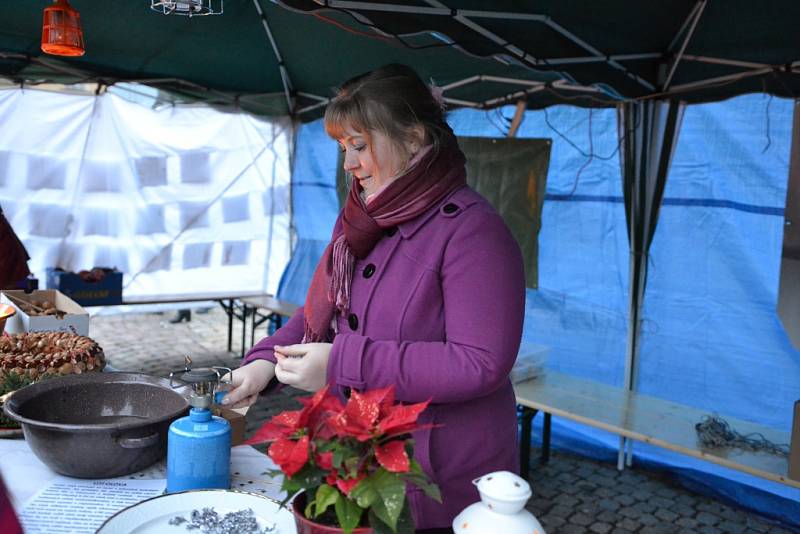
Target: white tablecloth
pixel 25 476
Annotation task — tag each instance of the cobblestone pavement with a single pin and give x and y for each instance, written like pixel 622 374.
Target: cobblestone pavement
pixel 572 495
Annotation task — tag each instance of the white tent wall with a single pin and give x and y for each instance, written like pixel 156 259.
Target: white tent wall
pixel 181 199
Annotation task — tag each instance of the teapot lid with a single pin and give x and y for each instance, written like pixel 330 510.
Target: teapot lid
pixel 503 485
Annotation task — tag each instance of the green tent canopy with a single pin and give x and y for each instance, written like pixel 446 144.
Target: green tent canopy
pixel 285 57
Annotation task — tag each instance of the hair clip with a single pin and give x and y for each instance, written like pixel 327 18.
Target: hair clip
pixel 438 94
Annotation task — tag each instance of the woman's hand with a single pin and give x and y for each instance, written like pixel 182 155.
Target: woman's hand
pixel 247 382
pixel 304 366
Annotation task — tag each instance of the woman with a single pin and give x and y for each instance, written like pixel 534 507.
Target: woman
pixel 421 287
pixel 13 257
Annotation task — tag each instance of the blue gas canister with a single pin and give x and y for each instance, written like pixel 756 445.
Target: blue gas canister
pixel 199 445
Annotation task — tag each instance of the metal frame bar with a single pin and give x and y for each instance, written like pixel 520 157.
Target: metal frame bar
pixel 287 82
pixel 580 42
pixel 718 79
pixel 459 83
pixel 312 107
pixel 598 59
pixel 313 96
pixel 321 101
pixel 579 88
pixel 699 7
pixel 513 96
pixel 465 16
pixel 465 103
pixel 724 61
pixel 686 22
pixel 527 415
pixel 561 84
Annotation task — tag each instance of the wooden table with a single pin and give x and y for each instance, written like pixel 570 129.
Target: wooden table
pixel 274 312
pixel 641 418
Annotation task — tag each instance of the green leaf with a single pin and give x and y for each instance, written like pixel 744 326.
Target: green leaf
pixel 326 496
pixel 405 523
pixel 364 494
pixel 392 496
pixel 338 457
pixel 289 496
pixel 417 476
pixel 351 466
pixel 348 513
pixel 377 525
pixel 308 478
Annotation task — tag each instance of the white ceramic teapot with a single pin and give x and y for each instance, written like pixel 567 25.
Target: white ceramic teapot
pixel 501 508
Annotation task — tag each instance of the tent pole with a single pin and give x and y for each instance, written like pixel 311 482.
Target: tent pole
pixel 501 79
pixel 722 61
pixel 700 6
pixel 459 83
pixel 718 79
pixel 589 48
pixel 684 25
pixel 459 102
pixel 649 131
pixel 287 83
pixel 513 96
pixel 596 59
pixel 534 85
pixel 519 114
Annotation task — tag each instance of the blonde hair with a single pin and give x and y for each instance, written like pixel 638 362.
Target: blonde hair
pixel 392 100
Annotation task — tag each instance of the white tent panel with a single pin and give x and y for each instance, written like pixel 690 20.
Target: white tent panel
pixel 181 199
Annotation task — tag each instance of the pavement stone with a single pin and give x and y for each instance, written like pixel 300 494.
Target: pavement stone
pixel 707 518
pixel 572 528
pixel 600 528
pixel 648 519
pixel 666 515
pixel 571 494
pixel 581 519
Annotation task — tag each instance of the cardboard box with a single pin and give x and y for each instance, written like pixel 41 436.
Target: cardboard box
pixel 76 319
pixel 237 421
pixel 105 292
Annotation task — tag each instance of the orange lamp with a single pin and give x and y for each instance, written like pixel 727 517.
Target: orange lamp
pixel 61 30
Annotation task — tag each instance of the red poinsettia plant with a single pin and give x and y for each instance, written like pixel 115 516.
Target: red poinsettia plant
pixel 350 459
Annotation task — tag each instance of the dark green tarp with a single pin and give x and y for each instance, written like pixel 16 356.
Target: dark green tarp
pixel 586 53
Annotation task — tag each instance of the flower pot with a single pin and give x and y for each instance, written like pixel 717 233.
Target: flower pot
pixel 308 526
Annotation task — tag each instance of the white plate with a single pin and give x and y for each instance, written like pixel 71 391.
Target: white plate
pixel 153 515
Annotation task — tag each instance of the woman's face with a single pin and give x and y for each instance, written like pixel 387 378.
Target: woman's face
pixel 375 163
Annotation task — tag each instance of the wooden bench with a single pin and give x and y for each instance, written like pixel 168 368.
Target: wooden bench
pixel 266 308
pixel 641 418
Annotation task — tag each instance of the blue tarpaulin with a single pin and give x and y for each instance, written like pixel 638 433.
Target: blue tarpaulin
pixel 711 337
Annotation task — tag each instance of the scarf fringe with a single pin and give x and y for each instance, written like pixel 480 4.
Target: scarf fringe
pixel 342 276
pixel 309 336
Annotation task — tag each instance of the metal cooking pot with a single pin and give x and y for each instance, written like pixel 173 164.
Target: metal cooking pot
pixel 98 425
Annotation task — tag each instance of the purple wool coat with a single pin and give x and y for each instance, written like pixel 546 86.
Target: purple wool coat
pixel 436 310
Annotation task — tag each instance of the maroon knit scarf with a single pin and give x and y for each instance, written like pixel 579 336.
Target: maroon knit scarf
pixel 426 183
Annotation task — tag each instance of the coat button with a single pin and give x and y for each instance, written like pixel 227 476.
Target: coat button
pixel 391 231
pixel 450 208
pixel 369 270
pixel 352 320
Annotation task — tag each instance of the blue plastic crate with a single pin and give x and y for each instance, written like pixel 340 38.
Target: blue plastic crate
pixel 107 291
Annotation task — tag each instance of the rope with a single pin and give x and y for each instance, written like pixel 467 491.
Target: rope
pixel 714 432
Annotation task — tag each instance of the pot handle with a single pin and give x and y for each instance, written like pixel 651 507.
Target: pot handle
pixel 138 443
